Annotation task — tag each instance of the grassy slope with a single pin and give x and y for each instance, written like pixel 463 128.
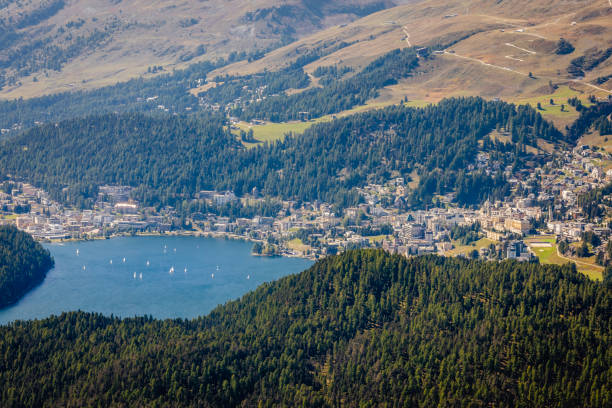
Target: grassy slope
pixel 271 131
pixel 276 131
pixel 160 32
pixel 463 73
pixel 466 249
pixel 550 255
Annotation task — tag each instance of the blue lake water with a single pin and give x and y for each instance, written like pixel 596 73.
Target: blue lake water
pixel 206 272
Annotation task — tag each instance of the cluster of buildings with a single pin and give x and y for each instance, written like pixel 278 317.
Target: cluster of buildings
pixel 381 221
pixel 249 95
pixel 31 210
pixel 547 203
pixel 14 128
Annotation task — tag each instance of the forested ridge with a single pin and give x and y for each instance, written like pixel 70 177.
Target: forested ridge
pixel 438 141
pixel 163 155
pixel 363 328
pixel 24 263
pixel 170 158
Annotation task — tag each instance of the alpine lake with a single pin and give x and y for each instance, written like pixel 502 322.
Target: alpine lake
pixel 159 276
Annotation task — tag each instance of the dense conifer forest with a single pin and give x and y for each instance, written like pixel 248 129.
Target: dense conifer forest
pixel 439 142
pixel 164 153
pixel 263 84
pixel 363 328
pixel 170 158
pixel 24 263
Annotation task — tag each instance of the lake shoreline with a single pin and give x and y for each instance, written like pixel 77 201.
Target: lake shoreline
pixel 184 233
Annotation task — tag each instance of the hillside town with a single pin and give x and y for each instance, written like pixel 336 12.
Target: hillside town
pixel 545 202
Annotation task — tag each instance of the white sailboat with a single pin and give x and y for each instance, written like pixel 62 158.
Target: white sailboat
pixel 185 270
pixel 140 275
pixel 248 276
pixel 111 261
pixel 148 263
pixel 77 252
pixel 124 260
pixel 83 267
pixel 171 270
pixel 134 275
pixel 212 275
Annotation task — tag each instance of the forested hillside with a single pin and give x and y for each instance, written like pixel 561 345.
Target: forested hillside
pixel 362 328
pixel 138 95
pixel 594 202
pixel 439 142
pixel 336 95
pixel 24 263
pixel 165 155
pixel 170 158
pixel 170 91
pixel 595 116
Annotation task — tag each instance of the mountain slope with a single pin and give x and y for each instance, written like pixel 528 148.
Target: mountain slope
pixel 363 328
pixel 492 46
pixel 53 45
